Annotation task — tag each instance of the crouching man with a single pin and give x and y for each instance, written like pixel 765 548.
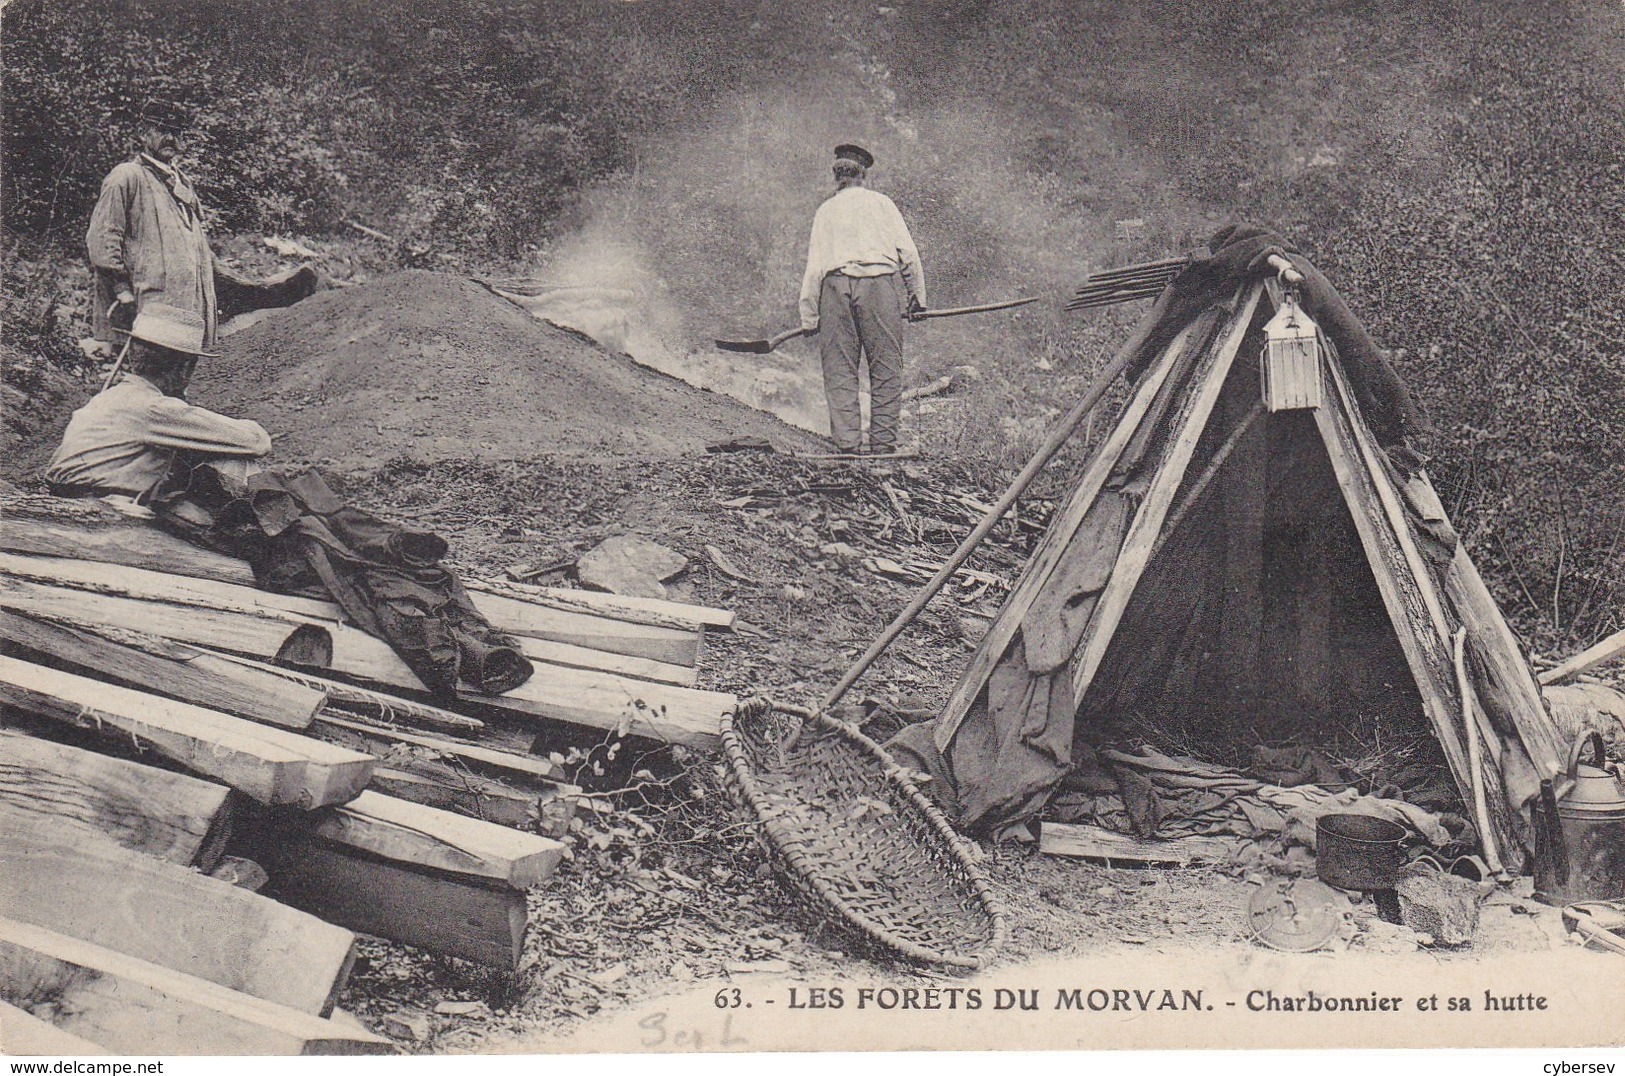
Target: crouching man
pixel 129 437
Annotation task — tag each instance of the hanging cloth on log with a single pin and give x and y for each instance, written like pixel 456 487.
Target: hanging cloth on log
pixel 299 536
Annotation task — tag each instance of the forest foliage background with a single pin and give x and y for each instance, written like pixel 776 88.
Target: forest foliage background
pixel 1454 165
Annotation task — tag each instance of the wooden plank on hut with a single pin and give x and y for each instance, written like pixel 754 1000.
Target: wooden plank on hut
pixel 1209 380
pixel 1508 685
pixel 22 1034
pixel 1092 842
pixel 179 581
pixel 579 696
pixel 166 815
pixel 134 1006
pixel 91 889
pixel 1414 609
pixel 1592 657
pixel 153 663
pixel 443 913
pixel 268 764
pixel 1055 541
pixel 424 837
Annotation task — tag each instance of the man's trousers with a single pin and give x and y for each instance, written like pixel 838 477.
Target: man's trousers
pixel 862 318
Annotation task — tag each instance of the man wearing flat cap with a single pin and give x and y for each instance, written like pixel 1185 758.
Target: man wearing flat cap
pixel 863 281
pixel 146 239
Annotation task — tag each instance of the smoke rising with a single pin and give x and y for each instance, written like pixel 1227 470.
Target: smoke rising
pixel 708 229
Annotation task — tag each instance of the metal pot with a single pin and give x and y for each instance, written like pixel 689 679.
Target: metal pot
pixel 1580 853
pixel 1357 851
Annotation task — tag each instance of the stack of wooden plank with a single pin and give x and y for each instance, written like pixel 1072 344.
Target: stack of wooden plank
pixel 191 827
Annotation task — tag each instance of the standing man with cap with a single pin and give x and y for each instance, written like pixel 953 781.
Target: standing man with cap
pixel 146 239
pixel 863 281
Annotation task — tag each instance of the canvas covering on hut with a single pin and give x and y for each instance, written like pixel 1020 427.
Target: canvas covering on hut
pixel 1220 566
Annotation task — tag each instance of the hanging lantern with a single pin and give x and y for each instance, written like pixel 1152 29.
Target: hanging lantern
pixel 1290 363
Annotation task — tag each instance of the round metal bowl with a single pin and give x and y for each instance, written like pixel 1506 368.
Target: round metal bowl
pixel 1357 851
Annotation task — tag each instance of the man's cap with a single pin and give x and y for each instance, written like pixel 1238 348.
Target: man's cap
pixel 172 327
pixel 856 154
pixel 154 112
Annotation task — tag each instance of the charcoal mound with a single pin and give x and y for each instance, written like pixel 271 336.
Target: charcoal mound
pixel 430 366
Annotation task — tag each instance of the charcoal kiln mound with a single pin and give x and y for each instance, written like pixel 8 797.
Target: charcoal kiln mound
pixel 431 366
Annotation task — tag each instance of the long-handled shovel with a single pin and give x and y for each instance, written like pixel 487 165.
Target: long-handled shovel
pixel 762 347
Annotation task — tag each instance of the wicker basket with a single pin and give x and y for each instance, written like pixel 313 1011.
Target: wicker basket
pixel 850 831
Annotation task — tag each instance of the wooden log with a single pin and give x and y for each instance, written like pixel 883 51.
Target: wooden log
pixel 153 663
pixel 89 530
pixel 423 837
pixel 261 634
pixel 267 764
pixel 467 794
pixel 1592 657
pixel 566 618
pixel 89 888
pixel 516 596
pixel 581 657
pixel 228 597
pixel 453 915
pixel 1092 842
pixel 381 705
pixel 134 1006
pixel 495 786
pixel 530 769
pixel 166 815
pixel 579 696
pixel 22 1034
pixel 115 540
pixel 618 705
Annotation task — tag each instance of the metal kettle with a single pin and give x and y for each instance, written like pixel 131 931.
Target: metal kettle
pixel 1580 840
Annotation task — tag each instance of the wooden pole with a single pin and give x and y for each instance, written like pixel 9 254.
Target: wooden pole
pixel 1586 660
